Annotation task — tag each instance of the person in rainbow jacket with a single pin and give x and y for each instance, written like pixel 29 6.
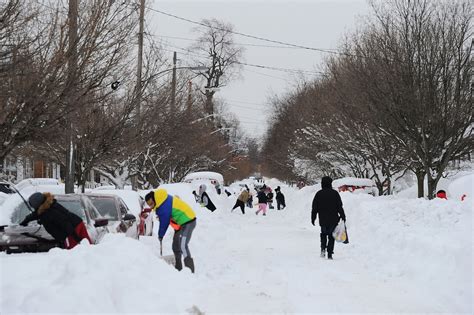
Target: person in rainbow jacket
pixel 173 211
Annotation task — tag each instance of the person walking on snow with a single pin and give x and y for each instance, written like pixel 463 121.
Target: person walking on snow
pixel 67 228
pixel 172 210
pixel 262 202
pixel 328 204
pixel 241 200
pixel 205 200
pixel 280 198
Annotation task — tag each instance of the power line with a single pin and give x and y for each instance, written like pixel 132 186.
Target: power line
pixel 247 35
pixel 240 44
pixel 287 70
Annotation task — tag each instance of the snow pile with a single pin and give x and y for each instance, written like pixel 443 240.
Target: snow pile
pixel 462 186
pixel 404 255
pixel 119 275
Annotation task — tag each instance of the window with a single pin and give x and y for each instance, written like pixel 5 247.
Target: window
pixel 123 208
pixel 106 207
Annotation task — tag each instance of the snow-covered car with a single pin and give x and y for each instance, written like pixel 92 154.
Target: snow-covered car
pixel 31 185
pixel 15 238
pixel 355 185
pixel 137 206
pixel 213 177
pixel 112 207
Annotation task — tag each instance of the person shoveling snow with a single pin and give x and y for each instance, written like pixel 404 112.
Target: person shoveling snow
pixel 172 210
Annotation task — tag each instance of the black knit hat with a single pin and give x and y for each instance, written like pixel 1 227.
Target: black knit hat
pixel 36 200
pixel 150 195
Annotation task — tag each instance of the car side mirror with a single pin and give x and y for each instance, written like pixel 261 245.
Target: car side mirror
pixel 129 217
pixel 101 222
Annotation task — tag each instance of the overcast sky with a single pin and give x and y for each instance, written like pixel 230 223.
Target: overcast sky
pixel 316 23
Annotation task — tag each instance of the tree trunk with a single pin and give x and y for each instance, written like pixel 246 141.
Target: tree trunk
pixel 432 183
pixel 420 177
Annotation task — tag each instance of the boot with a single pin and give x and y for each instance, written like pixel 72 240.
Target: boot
pixel 330 256
pixel 178 264
pixel 324 241
pixel 323 253
pixel 189 262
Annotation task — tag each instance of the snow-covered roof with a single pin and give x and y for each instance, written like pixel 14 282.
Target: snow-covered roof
pixel 352 181
pixel 204 176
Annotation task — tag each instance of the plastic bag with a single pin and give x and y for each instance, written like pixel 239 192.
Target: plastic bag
pixel 339 232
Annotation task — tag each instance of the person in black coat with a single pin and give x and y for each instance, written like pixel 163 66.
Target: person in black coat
pixel 67 228
pixel 280 198
pixel 205 200
pixel 328 204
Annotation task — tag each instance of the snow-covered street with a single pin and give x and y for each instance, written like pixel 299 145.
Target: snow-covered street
pixel 404 256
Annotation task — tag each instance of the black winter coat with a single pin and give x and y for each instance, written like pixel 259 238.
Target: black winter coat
pixel 262 197
pixel 57 221
pixel 280 197
pixel 328 204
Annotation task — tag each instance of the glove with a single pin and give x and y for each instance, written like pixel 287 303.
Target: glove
pixel 160 239
pixel 23 223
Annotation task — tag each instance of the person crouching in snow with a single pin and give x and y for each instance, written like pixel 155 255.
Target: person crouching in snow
pixel 67 228
pixel 205 200
pixel 262 202
pixel 280 198
pixel 172 210
pixel 327 202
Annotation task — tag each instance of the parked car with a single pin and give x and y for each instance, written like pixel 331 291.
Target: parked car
pixel 355 185
pixel 112 207
pixel 15 238
pixel 6 188
pixel 137 206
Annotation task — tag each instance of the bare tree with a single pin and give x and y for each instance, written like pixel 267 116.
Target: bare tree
pixel 414 65
pixel 221 57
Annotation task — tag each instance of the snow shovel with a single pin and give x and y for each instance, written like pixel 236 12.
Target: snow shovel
pixel 170 259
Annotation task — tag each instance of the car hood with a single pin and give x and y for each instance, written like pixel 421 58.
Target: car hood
pixel 21 235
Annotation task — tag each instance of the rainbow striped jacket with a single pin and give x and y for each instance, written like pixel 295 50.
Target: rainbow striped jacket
pixel 169 207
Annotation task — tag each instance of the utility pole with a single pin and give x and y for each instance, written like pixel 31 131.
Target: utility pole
pixel 138 86
pixel 173 86
pixel 72 81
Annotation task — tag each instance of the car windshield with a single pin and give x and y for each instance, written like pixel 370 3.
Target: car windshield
pixel 75 206
pixel 106 207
